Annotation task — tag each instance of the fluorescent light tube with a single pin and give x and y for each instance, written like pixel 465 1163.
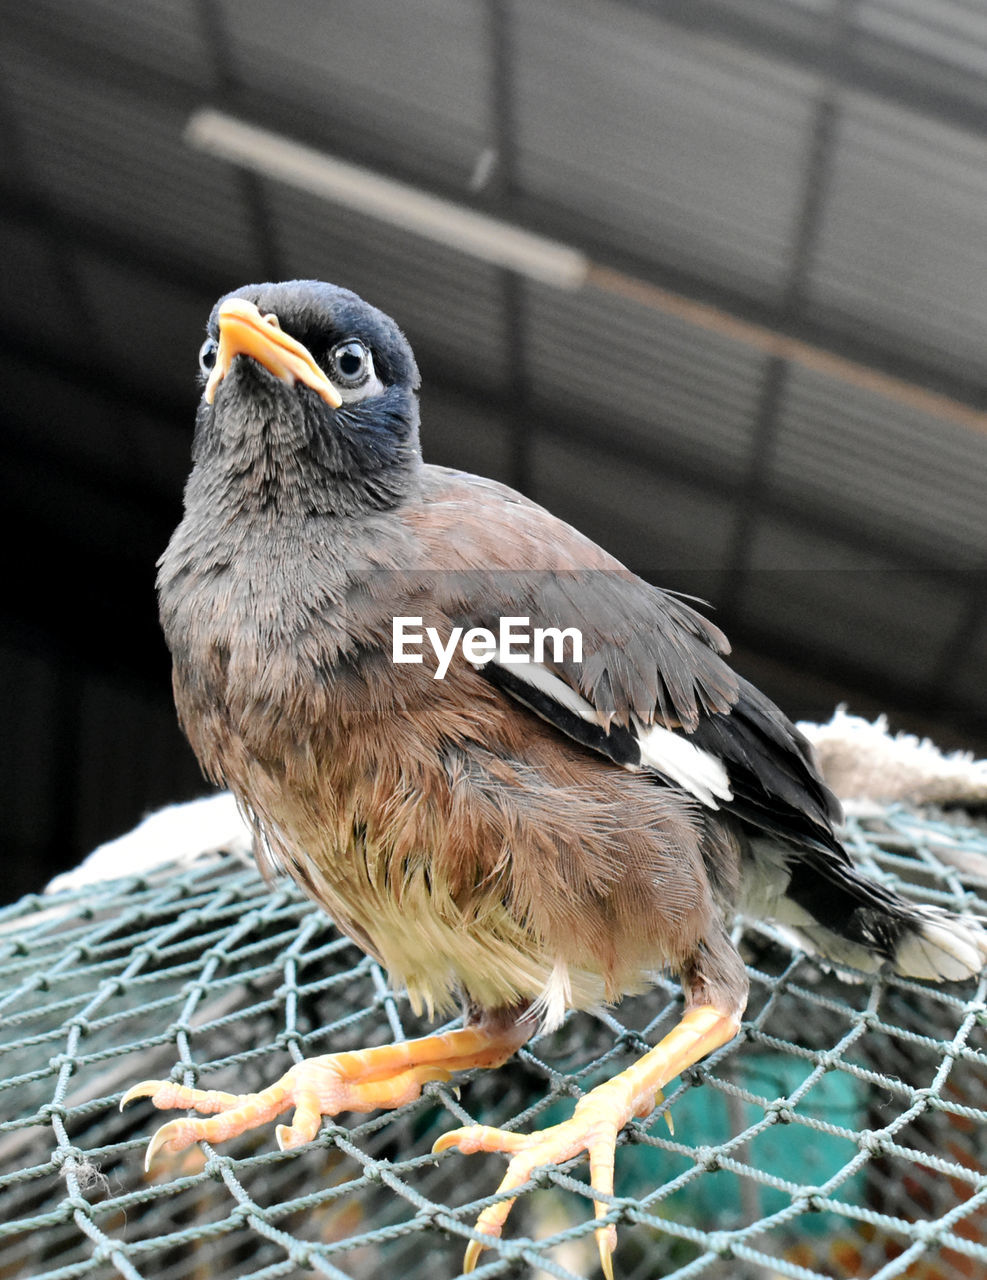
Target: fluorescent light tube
pixel 489 239
pixel 537 257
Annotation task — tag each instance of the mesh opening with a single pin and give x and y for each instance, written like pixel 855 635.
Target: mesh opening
pixel 841 1136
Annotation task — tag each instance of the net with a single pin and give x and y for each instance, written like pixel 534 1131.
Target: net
pixel 839 1136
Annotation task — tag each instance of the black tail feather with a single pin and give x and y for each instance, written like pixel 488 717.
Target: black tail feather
pixel 853 920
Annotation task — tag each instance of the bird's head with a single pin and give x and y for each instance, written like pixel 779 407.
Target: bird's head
pixel 309 398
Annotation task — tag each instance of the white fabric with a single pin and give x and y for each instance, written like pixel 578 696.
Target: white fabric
pixel 864 761
pixel 178 834
pixel 860 760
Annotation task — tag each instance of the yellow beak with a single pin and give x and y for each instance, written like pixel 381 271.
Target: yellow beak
pixel 243 331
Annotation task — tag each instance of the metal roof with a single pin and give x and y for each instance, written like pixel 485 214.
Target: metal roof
pixel 770 389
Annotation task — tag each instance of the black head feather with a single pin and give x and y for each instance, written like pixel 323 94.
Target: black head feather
pixel 281 444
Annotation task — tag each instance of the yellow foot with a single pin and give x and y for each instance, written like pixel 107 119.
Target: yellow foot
pixel 595 1124
pixel 595 1133
pixel 365 1080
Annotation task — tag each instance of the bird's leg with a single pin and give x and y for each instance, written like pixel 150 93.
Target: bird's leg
pixel 595 1124
pixel 363 1080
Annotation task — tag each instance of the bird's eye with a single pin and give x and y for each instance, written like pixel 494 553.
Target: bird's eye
pixel 207 356
pixel 351 370
pixel 351 364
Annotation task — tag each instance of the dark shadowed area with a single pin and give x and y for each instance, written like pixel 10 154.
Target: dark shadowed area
pixel 764 385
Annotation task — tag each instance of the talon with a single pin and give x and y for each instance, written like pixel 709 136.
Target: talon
pixel 362 1080
pixel 486 1228
pixel 447 1141
pixel 166 1094
pixel 479 1137
pixel 472 1255
pixel 146 1089
pixel 289 1137
pixel 597 1120
pixel 553 1146
pixel 174 1136
pixel 530 1151
pixel 606 1240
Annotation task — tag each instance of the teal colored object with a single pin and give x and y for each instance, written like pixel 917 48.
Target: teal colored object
pixel 705 1116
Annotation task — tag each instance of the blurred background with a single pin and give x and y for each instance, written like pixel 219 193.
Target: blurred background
pixel 745 350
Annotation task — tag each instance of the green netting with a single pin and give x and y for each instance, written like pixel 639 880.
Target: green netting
pixel 840 1136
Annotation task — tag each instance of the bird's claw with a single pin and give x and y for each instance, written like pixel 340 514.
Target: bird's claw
pixel 593 1131
pixel 146 1089
pixel 172 1137
pixel 166 1094
pixel 361 1081
pixel 226 1114
pixel 593 1128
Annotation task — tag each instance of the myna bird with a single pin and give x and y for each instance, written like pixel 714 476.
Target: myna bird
pixel 535 831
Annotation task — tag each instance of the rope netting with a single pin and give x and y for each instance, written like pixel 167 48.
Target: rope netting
pixel 840 1136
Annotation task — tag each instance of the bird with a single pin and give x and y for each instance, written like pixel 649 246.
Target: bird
pixel 530 830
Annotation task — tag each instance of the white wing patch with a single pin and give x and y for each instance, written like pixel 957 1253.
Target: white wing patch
pixel 547 682
pixel 697 771
pixel 694 770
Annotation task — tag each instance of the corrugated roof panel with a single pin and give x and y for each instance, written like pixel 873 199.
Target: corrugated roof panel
pixel 458 432
pixel 89 433
pixel 672 138
pixel 658 526
pixel 968 681
pixel 118 158
pixel 121 527
pixel 32 698
pixel 647 376
pixel 450 305
pixel 31 286
pixel 140 32
pixel 116 724
pixel 675 144
pixel 902 246
pixel 905 473
pixel 846 604
pixel 413 76
pixel 783 546
pixel 949 31
pixel 151 328
pixel 785 13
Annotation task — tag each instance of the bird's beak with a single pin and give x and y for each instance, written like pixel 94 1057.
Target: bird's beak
pixel 243 331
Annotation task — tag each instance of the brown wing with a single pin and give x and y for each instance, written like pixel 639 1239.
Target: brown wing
pixel 649 658
pixel 647 653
